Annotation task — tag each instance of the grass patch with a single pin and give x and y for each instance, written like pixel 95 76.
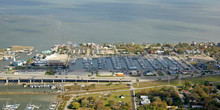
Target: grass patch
pixel 150 83
pixel 115 97
pixel 98 87
pixel 176 82
pixel 200 80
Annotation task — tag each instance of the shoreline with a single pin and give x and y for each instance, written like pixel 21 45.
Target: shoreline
pixel 27 93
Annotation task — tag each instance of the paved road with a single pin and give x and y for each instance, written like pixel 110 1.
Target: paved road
pixel 133 99
pixel 131 89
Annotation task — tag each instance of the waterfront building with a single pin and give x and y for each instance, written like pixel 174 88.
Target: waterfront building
pixel 56 63
pixel 145 100
pixel 218 44
pixel 46 52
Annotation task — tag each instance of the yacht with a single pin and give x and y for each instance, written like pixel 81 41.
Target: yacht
pixel 32 107
pixel 29 53
pixel 11 107
pixel 53 105
pixel 73 61
pixel 5 58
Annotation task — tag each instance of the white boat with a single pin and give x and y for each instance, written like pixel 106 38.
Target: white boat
pixel 29 53
pixel 84 59
pixel 32 107
pixel 53 105
pixel 5 58
pixel 53 87
pixel 11 107
pixel 73 61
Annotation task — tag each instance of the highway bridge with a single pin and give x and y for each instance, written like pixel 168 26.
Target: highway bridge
pixel 55 80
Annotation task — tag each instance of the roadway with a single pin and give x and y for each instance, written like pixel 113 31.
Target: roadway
pixel 131 89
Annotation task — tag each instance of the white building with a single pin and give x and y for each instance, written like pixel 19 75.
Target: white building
pixel 145 100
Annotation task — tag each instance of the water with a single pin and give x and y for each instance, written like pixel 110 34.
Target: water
pixel 42 23
pixel 23 57
pixel 24 100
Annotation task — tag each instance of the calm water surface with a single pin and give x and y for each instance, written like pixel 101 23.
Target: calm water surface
pixel 42 100
pixel 42 23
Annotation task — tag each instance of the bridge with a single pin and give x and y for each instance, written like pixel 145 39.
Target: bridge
pixel 55 80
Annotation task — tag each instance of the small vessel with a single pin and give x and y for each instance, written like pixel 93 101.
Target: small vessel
pixel 32 107
pixel 11 107
pixel 90 61
pixel 84 59
pixel 53 105
pixel 29 53
pixel 5 58
pixel 73 61
pixel 53 87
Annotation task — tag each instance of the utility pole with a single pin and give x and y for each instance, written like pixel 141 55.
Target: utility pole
pixel 168 79
pixel 180 76
pixel 137 80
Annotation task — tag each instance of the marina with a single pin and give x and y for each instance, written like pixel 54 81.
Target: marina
pixel 22 100
pixel 53 105
pixel 143 64
pixel 102 63
pixel 11 107
pixel 33 107
pixel 130 63
pixel 116 63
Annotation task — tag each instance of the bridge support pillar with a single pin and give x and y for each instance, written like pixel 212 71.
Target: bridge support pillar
pixel 30 80
pixel 53 81
pixel 6 80
pixel 19 81
pixel 42 81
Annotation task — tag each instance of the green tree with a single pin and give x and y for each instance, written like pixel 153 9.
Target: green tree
pixel 187 85
pixel 84 103
pixel 50 72
pixel 74 105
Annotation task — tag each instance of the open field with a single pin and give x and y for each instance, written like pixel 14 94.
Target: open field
pixel 176 82
pixel 203 78
pixel 98 87
pixel 115 96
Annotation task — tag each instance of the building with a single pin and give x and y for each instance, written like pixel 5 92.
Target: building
pixel 218 44
pixel 192 51
pixel 120 74
pixel 217 66
pixel 104 73
pixel 56 59
pixel 56 63
pixel 17 63
pixel 46 52
pixel 40 63
pixel 122 96
pixel 197 106
pixel 172 72
pixel 186 72
pixel 148 73
pixel 134 73
pixel 145 100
